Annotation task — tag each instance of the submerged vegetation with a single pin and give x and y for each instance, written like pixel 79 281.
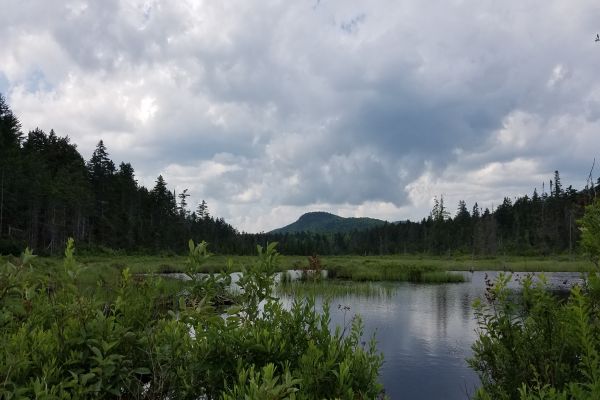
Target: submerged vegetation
pixel 142 338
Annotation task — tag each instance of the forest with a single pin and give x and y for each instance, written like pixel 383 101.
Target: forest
pixel 49 192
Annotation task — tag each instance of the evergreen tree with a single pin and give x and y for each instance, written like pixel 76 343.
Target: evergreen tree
pixel 476 213
pixel 183 203
pixel 10 163
pixel 439 211
pixel 557 185
pixel 202 210
pixel 128 211
pixel 48 193
pixel 462 213
pixel 462 227
pixel 56 198
pixel 100 165
pixel 10 128
pixel 101 171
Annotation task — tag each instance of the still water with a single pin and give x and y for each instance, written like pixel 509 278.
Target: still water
pixel 425 333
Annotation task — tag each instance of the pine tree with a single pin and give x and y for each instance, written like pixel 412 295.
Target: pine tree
pixel 101 172
pixel 10 141
pixel 129 209
pixel 476 213
pixel 462 226
pixel 10 128
pixel 183 203
pixel 100 166
pixel 202 210
pixel 439 211
pixel 557 185
pixel 462 213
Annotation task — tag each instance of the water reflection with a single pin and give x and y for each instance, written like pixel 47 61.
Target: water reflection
pixel 425 333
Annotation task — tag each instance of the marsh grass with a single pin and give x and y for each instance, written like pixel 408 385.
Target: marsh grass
pixel 395 272
pixel 106 268
pixel 285 278
pixel 554 263
pixel 335 289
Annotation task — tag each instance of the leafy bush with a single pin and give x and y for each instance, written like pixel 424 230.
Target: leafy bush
pixel 590 231
pixel 536 345
pixel 144 338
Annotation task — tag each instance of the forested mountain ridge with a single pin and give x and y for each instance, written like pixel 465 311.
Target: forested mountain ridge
pixel 324 222
pixel 529 225
pixel 48 192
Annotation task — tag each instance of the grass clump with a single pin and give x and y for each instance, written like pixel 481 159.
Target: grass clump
pixel 335 289
pixel 394 272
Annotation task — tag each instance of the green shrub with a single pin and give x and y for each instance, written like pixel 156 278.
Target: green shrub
pixel 590 231
pixel 149 339
pixel 536 345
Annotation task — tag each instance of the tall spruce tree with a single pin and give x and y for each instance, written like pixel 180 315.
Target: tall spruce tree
pixel 101 171
pixel 10 141
pixel 558 191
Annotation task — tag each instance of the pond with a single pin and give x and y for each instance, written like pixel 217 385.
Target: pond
pixel 424 331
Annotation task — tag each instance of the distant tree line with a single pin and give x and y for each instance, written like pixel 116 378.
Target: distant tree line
pixel 48 193
pixel 530 225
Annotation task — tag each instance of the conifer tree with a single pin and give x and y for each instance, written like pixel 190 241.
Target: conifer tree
pixel 183 203
pixel 202 210
pixel 557 185
pixel 10 140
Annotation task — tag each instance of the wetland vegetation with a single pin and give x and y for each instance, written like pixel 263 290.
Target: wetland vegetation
pixel 108 325
pixel 141 338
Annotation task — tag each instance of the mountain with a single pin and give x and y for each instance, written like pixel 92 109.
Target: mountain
pixel 324 222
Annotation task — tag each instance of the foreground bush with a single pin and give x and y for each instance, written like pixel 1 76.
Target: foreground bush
pixel 537 345
pixel 150 340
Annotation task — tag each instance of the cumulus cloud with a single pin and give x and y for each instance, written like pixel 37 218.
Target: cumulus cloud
pixel 268 109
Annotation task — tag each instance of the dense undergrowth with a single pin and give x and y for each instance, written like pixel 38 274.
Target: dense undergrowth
pixel 535 344
pixel 143 338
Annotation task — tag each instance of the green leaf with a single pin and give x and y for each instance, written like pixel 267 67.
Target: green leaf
pixel 234 310
pixel 142 371
pixel 86 377
pixel 96 351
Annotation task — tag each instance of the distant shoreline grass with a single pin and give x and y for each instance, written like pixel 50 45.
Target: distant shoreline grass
pixel 465 263
pixel 561 263
pixel 335 288
pixel 357 268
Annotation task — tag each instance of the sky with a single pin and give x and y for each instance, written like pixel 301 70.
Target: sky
pixel 269 109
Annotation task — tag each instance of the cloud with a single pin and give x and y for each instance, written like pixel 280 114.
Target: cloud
pixel 270 109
